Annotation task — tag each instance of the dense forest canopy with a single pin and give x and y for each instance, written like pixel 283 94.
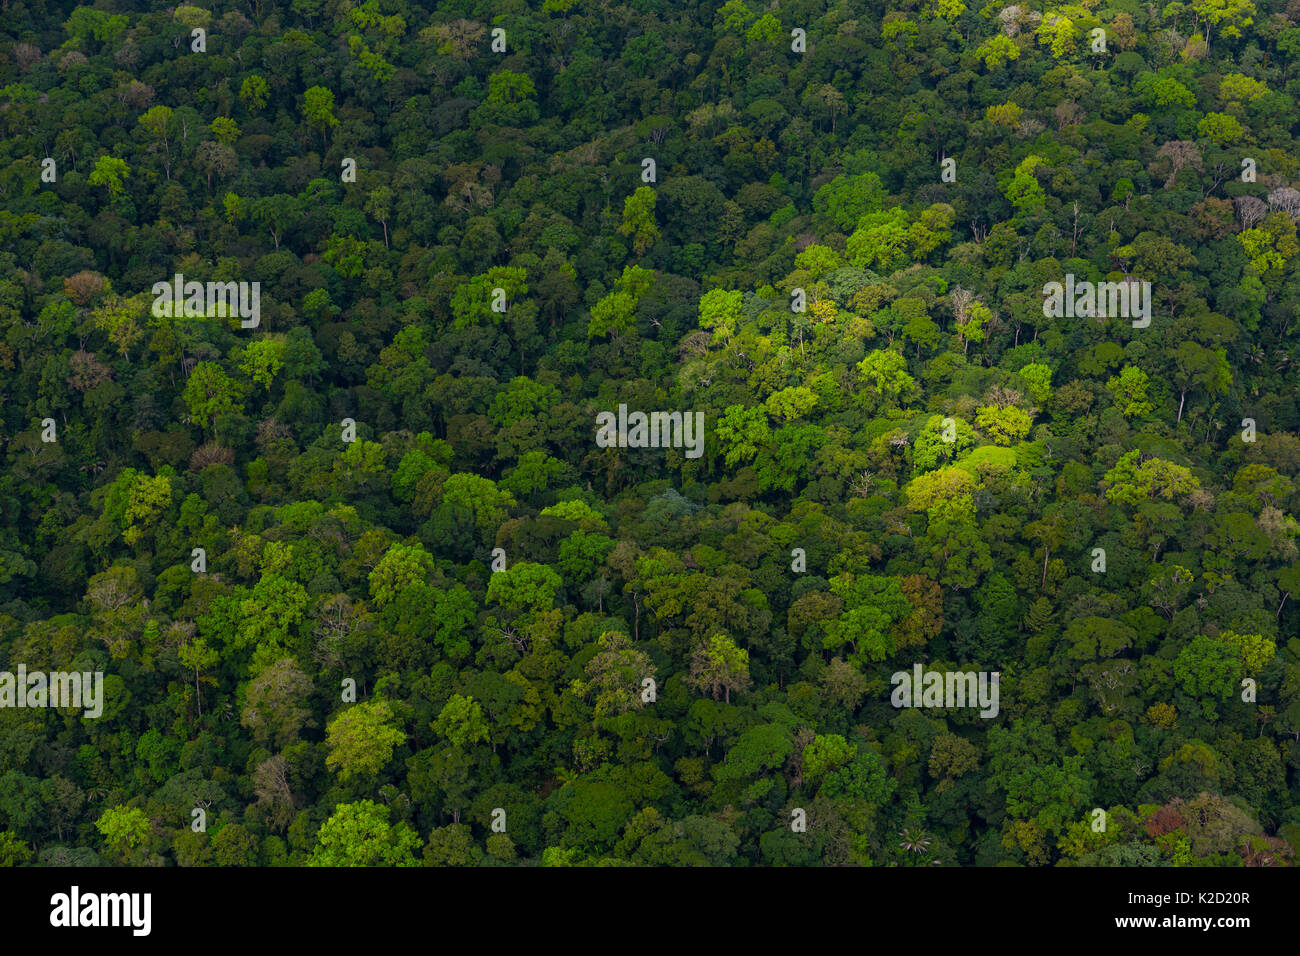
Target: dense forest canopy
pixel 365 588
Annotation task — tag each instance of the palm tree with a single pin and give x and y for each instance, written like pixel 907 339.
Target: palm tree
pixel 914 841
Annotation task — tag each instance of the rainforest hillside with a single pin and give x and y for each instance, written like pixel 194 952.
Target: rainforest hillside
pixel 380 565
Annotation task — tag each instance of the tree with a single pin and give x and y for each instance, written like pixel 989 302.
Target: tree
pixel 1231 16
pixel 361 740
pixel 884 373
pixel 461 721
pixel 359 834
pixel 614 676
pixel 264 359
pixel 509 100
pixel 790 403
pixel 582 555
pixel 1136 478
pixel 276 214
pixel 1129 389
pixel 888 240
pixel 318 109
pixel 1220 128
pixel 216 159
pixel 615 312
pixel 479 495
pixel 156 122
pixel 922 331
pixel 1038 379
pixel 1208 670
pixel 591 814
pixel 1051 532
pixel 525 586
pixel 1041 787
pixel 951 756
pixel 1024 190
pixel 125 831
pixel 110 171
pixel 196 656
pixel 932 448
pixel 399 568
pixel 943 493
pixel 273 708
pixel 1256 650
pixel 846 199
pixel 826 752
pixel 452 845
pixel 254 92
pixel 996 51
pixel 970 316
pixel 379 204
pixel 120 318
pixel 874 607
pixel 1168 586
pixel 13 851
pixel 472 302
pixel 1005 425
pixel 864 778
pixel 719 667
pixel 743 432
pixel 1179 154
pixel 639 220
pixel 211 393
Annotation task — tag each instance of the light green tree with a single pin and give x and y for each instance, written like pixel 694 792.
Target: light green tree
pixel 125 830
pixel 790 403
pixel 109 171
pixel 639 220
pixel 1230 16
pixel 1005 425
pixel 210 392
pixel 1133 481
pixel 931 447
pixel 254 92
pixel 524 587
pixel 156 122
pixel 1129 389
pixel 224 130
pixel 743 433
pixel 720 313
pixel 1220 128
pixel 1023 191
pixel 359 834
pixel 401 566
pixel 361 740
pixel 263 359
pixel 885 376
pixel 318 109
pixel 462 722
pixel 1038 381
pixel 121 319
pixel 997 50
